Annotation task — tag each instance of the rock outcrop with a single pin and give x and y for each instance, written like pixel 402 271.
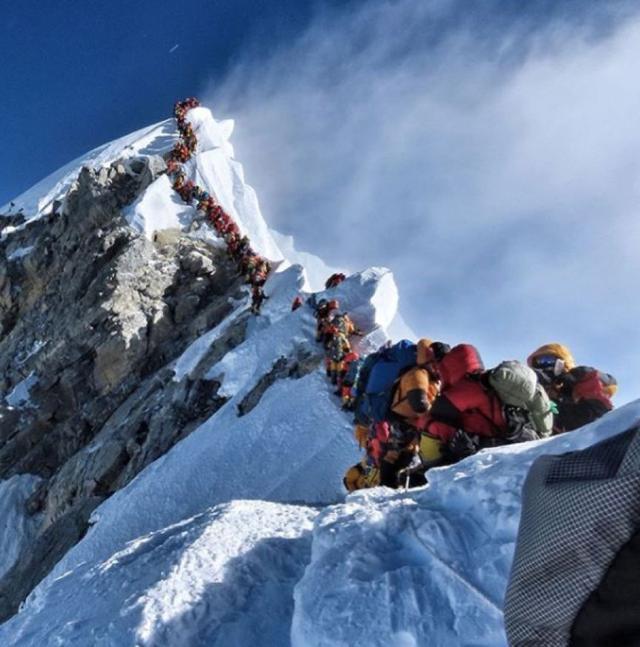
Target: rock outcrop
pixel 91 314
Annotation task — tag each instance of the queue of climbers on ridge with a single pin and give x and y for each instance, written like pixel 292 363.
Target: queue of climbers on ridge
pixel 416 405
pixel 254 268
pixel 427 404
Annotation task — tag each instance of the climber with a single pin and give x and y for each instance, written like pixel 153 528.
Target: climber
pixel 297 302
pixel 189 137
pixel 244 246
pixel 390 448
pixel 479 408
pixel 412 397
pixel 261 272
pixel 233 241
pixel 180 153
pixel 467 413
pixel 345 325
pixel 338 348
pixel 347 379
pixel 249 263
pixel 324 312
pixel 582 393
pixel 360 476
pixel 173 166
pixel 393 394
pixel 178 181
pixel 257 298
pixel 321 313
pixel 334 280
pixel 186 191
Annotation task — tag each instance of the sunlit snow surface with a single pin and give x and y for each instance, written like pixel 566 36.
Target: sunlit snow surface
pixel 240 535
pixel 427 567
pixel 152 140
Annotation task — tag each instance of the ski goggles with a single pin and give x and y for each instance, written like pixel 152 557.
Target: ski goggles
pixel 549 362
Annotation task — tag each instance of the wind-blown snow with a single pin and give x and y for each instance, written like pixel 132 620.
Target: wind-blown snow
pixel 429 566
pixel 316 270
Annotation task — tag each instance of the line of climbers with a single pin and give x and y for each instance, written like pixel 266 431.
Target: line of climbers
pixel 426 404
pixel 416 406
pixel 254 268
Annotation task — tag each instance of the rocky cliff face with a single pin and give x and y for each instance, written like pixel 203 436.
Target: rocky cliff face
pixel 137 392
pixel 90 314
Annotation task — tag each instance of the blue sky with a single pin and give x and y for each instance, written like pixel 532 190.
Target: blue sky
pixel 486 151
pixel 77 73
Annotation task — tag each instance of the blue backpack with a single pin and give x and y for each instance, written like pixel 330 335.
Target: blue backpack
pixel 360 408
pixel 391 363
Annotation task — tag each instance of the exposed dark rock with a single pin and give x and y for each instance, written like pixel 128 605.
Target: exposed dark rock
pixel 284 368
pixel 91 314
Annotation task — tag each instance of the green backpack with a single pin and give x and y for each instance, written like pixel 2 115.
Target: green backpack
pixel 517 386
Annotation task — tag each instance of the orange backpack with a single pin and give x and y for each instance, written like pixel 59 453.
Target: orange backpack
pixel 414 393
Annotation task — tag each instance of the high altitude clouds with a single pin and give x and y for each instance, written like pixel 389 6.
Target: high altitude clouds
pixel 490 159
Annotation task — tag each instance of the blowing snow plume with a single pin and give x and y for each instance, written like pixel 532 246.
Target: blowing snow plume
pixel 411 134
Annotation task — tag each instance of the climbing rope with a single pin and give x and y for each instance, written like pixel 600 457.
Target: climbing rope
pixel 254 268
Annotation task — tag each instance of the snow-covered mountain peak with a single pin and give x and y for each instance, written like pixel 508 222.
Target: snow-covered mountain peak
pixel 138 390
pixel 158 207
pixel 171 464
pixel 37 201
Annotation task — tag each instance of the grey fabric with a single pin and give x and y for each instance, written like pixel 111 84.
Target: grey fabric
pixel 578 509
pixel 601 461
pixel 517 385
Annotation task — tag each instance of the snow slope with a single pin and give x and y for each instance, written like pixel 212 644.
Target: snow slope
pixel 38 200
pixel 221 578
pixel 241 534
pixel 292 447
pixel 430 566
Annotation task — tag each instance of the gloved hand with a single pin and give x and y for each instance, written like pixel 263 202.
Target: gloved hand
pixel 463 444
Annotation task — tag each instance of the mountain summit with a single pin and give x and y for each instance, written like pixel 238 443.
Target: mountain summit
pixel 172 465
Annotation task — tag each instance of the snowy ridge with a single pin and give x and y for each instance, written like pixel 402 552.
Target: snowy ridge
pixel 241 534
pixel 429 566
pixel 38 200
